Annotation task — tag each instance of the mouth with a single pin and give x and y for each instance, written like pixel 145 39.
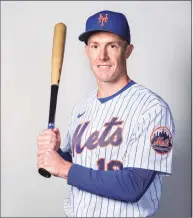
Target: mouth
pixel 104 66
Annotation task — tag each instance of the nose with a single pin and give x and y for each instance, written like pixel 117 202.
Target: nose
pixel 103 55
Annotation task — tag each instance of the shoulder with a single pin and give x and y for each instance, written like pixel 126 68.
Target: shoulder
pixel 155 108
pixel 151 99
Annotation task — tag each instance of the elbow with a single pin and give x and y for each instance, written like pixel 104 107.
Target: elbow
pixel 135 197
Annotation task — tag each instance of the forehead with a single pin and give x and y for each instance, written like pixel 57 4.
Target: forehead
pixel 104 37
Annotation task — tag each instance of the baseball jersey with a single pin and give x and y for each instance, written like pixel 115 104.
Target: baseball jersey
pixel 132 128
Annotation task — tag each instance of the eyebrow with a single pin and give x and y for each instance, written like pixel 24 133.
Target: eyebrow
pixel 108 43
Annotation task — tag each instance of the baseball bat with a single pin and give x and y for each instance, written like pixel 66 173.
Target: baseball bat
pixel 59 39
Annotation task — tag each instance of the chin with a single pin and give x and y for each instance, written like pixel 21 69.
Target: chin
pixel 106 79
pixel 103 75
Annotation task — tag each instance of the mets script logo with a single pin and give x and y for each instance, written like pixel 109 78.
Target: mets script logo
pixel 102 19
pixel 105 138
pixel 161 140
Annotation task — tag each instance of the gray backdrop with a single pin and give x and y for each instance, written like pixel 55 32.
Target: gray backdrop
pixel 161 61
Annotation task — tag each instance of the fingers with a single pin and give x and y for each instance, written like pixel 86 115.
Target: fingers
pixel 46 132
pixel 40 161
pixel 43 157
pixel 43 151
pixel 46 142
pixel 46 139
pixel 49 137
pixel 42 146
pixel 50 161
pixel 46 135
pixel 56 131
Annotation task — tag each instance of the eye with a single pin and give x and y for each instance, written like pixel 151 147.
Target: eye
pixel 94 46
pixel 113 46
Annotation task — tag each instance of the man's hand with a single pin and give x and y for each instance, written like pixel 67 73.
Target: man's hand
pixel 49 139
pixel 52 162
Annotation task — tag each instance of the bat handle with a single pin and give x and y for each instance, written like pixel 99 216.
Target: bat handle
pixel 42 171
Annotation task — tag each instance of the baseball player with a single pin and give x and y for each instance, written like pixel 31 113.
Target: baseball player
pixel 120 138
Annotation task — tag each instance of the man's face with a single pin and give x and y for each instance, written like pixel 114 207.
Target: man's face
pixel 107 54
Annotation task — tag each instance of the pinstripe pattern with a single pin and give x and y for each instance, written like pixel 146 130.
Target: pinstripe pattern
pixel 108 117
pixel 91 163
pixel 94 108
pixel 141 111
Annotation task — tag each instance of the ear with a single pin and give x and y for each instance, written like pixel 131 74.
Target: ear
pixel 128 50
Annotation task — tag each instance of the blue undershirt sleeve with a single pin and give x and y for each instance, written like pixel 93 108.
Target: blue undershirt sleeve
pixel 128 184
pixel 65 155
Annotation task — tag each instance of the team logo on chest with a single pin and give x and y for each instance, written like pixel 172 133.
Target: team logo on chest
pixel 97 139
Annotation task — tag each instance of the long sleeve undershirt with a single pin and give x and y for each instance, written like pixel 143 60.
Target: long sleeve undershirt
pixel 128 184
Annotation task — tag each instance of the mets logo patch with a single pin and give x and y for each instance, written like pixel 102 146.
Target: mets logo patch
pixel 161 140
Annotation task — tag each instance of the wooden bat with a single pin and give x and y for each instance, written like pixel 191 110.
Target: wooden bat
pixel 59 39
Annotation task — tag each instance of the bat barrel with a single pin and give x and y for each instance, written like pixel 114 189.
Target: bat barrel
pixel 58 52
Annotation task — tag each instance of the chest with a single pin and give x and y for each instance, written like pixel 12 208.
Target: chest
pixel 100 134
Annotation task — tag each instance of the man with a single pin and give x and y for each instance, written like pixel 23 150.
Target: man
pixel 110 159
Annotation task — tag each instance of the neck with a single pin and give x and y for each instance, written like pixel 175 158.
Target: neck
pixel 106 89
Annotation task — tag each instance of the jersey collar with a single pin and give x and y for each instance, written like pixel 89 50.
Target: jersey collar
pixel 129 84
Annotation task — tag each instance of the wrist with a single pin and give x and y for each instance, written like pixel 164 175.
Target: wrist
pixel 64 169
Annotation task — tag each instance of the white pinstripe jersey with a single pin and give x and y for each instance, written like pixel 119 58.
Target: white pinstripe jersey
pixel 142 115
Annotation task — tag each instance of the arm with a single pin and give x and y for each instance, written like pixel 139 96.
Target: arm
pixel 127 185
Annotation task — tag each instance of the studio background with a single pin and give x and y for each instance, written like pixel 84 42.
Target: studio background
pixel 161 61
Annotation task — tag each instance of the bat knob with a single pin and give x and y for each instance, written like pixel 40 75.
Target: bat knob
pixel 44 173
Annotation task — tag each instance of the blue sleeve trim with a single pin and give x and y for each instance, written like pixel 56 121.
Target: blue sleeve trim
pixel 128 184
pixel 65 155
